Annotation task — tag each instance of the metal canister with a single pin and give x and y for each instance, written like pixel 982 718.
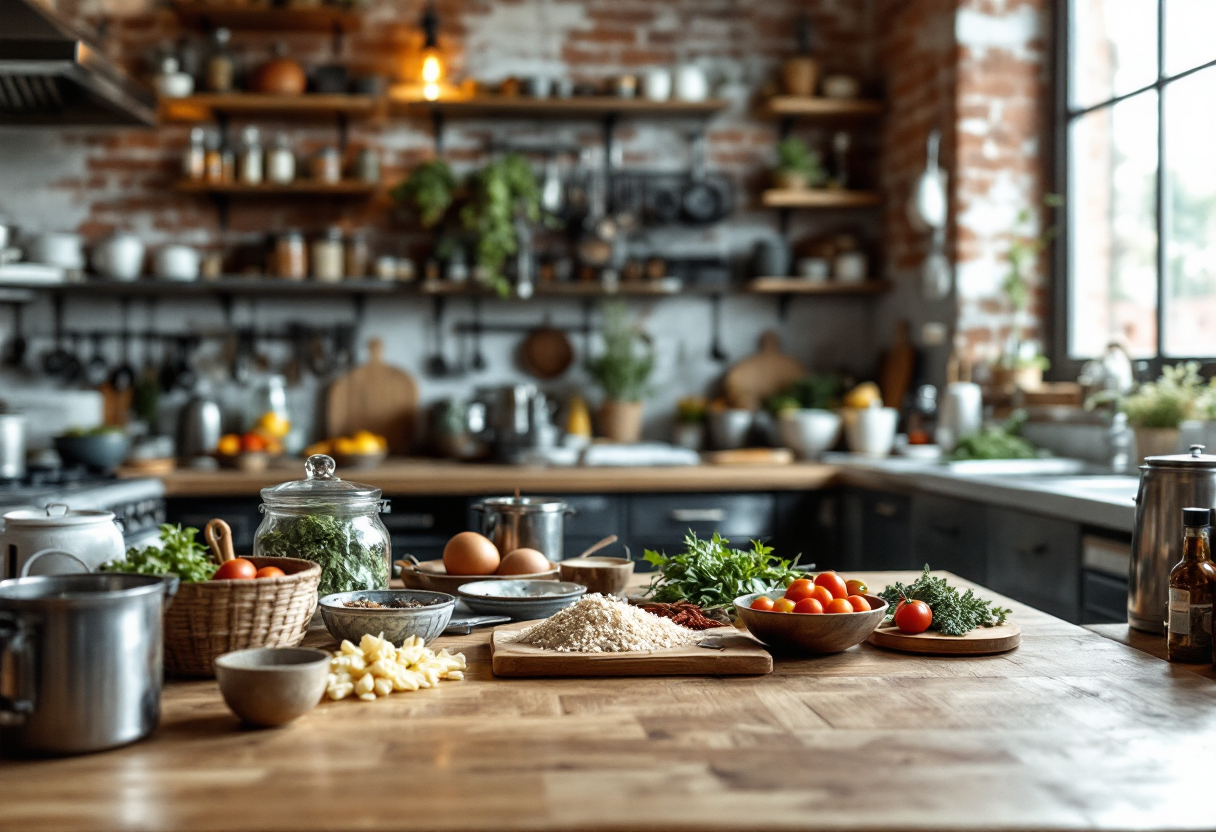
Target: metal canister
pixel 1168 484
pixel 525 522
pixel 12 446
pixel 85 661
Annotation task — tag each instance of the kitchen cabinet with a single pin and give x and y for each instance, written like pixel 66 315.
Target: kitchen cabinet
pixel 876 530
pixel 594 517
pixel 1105 562
pixel 808 527
pixel 1036 560
pixel 660 521
pixel 949 534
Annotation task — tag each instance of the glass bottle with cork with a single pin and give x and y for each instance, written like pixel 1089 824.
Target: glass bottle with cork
pixel 1189 616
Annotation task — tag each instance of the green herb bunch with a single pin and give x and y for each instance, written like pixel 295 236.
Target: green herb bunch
pixel 711 574
pixel 501 191
pixel 182 556
pixel 347 562
pixel 794 156
pixel 1168 401
pixel 623 370
pixel 429 187
pixel 954 614
pixel 819 391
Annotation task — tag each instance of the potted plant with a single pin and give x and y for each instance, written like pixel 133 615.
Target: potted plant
pixel 429 189
pixel 798 166
pixel 1157 409
pixel 807 422
pixel 623 372
pixel 501 193
pixel 689 429
pixel 1021 363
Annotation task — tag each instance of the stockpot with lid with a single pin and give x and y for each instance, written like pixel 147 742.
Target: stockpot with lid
pixel 525 522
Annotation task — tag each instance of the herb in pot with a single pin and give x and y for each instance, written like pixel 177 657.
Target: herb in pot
pixel 182 556
pixel 954 614
pixel 347 562
pixel 710 574
pixel 430 188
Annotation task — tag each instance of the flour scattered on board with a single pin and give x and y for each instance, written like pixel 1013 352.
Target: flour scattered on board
pixel 598 624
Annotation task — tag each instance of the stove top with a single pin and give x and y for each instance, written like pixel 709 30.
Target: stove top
pixel 138 503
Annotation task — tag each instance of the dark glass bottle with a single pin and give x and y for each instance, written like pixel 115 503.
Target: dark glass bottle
pixel 1189 622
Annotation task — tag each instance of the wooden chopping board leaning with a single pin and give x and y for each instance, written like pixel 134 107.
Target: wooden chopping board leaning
pixel 753 380
pixel 376 397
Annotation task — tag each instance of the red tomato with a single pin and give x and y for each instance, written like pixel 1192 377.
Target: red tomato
pixel 235 569
pixel 799 589
pixel 822 595
pixel 809 606
pixel 859 604
pixel 838 605
pixel 856 587
pixel 833 583
pixel 270 572
pixel 913 617
pixel 252 443
pixel 763 603
pixel 783 605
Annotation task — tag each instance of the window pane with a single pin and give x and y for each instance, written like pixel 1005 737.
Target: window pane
pixel 1113 230
pixel 1190 242
pixel 1189 25
pixel 1114 48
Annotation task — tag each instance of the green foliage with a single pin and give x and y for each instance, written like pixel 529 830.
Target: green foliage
pixel 953 614
pixel 1168 401
pixel 429 187
pixel 996 442
pixel 1024 250
pixel 182 556
pixel 623 370
pixel 347 563
pixel 794 156
pixel 819 391
pixel 501 191
pixel 711 574
pixel 690 410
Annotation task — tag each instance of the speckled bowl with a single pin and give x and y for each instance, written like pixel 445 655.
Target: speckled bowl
pixel 352 623
pixel 271 686
pixel 801 633
pixel 522 600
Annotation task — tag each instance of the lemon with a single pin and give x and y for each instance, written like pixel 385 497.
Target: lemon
pixel 863 395
pixel 274 424
pixel 578 421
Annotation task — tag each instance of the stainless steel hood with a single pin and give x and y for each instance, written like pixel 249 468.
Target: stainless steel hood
pixel 50 76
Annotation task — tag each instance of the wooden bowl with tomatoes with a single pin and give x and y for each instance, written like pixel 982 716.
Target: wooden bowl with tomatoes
pixel 822 615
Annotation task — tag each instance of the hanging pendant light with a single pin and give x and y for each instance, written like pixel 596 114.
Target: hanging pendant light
pixel 432 61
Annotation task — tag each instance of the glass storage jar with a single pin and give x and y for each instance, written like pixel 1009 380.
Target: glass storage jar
pixel 331 522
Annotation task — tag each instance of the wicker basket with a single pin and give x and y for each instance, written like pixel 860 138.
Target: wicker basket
pixel 209 618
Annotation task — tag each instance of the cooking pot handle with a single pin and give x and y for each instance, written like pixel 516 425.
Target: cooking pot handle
pixel 15 640
pixel 172 585
pixel 25 567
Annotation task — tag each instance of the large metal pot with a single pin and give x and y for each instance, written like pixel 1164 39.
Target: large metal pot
pixel 1168 484
pixel 83 666
pixel 525 522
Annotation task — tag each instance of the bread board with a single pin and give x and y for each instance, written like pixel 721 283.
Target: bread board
pixel 979 642
pixel 375 397
pixel 743 656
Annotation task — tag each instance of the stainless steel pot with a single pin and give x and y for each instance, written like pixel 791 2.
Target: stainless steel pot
pixel 525 522
pixel 84 661
pixel 12 446
pixel 1168 484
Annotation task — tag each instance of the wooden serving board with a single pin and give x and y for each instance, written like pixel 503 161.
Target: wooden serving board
pixel 375 397
pixel 749 383
pixel 978 642
pixel 743 657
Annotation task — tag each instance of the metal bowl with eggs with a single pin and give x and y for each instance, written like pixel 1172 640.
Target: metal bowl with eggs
pixel 471 556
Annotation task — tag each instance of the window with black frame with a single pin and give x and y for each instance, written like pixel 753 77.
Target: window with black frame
pixel 1140 169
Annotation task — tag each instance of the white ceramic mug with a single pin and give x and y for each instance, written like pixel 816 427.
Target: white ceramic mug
pixel 871 431
pixel 57 249
pixel 691 83
pixel 656 85
pixel 850 267
pixel 120 257
pixel 177 262
pixel 960 413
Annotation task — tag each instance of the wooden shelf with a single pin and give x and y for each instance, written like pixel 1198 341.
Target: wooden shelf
pixel 797 106
pixel 559 108
pixel 573 289
pixel 819 198
pixel 801 286
pixel 347 188
pixel 205 106
pixel 206 15
pixel 151 286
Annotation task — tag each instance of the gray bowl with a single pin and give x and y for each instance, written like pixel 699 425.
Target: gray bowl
pixel 521 600
pixel 271 686
pixel 353 623
pixel 98 451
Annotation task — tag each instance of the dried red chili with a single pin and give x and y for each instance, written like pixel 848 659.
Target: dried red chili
pixel 684 613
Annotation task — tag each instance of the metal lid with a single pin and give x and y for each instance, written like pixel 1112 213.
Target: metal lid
pixel 1195 458
pixel 47 518
pixel 524 505
pixel 320 487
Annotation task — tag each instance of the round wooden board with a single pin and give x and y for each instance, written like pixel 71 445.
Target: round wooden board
pixel 978 642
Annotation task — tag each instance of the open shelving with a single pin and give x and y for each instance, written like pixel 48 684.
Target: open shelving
pixel 801 286
pixel 598 106
pixel 305 187
pixel 206 107
pixel 819 198
pixel 811 107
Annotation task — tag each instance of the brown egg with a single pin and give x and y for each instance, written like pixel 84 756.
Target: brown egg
pixel 524 562
pixel 470 553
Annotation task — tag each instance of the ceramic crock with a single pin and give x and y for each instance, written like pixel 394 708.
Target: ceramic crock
pixel 92 536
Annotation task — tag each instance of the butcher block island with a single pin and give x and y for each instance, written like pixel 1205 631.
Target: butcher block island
pixel 1070 730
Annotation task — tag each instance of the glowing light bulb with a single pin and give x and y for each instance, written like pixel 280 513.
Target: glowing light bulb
pixel 432 70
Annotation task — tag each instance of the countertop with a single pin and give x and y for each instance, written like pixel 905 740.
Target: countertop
pixel 1071 730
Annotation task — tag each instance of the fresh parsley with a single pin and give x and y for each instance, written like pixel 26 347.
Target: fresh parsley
pixel 711 574
pixel 181 555
pixel 954 614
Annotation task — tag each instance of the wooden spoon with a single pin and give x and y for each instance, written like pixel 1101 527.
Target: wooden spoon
pixel 595 547
pixel 218 535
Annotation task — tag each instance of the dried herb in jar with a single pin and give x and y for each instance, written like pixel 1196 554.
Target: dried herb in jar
pixel 347 563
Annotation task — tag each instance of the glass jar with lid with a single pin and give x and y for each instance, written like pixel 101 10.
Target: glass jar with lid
pixel 329 521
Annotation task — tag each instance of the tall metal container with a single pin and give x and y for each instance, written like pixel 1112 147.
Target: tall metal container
pixel 1168 484
pixel 525 522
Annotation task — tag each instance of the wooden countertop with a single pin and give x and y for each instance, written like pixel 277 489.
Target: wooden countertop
pixel 401 477
pixel 1149 643
pixel 1071 730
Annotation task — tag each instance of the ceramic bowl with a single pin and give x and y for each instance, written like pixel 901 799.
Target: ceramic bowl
pixel 800 633
pixel 98 451
pixel 432 575
pixel 809 432
pixel 396 625
pixel 521 600
pixel 608 576
pixel 271 686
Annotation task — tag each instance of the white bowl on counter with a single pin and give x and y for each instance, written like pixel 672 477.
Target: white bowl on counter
pixel 808 432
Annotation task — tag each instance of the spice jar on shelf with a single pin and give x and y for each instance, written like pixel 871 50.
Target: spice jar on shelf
pixel 328 256
pixel 358 256
pixel 290 257
pixel 194 160
pixel 327 166
pixel 221 68
pixel 332 522
pixel 250 169
pixel 213 159
pixel 281 162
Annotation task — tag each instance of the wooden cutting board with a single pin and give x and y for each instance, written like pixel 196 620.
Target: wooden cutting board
pixel 978 642
pixel 749 383
pixel 750 456
pixel 898 366
pixel 742 657
pixel 375 397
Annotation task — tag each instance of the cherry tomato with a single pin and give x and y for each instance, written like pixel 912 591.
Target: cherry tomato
pixel 859 604
pixel 235 569
pixel 833 583
pixel 822 595
pixel 763 603
pixel 270 572
pixel 783 605
pixel 809 606
pixel 838 605
pixel 856 587
pixel 913 617
pixel 799 589
pixel 252 443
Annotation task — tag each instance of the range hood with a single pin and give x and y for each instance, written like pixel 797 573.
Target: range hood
pixel 50 75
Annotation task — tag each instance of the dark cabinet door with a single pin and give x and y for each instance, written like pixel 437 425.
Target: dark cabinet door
pixel 808 528
pixel 660 521
pixel 876 530
pixel 1036 560
pixel 949 534
pixel 594 517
